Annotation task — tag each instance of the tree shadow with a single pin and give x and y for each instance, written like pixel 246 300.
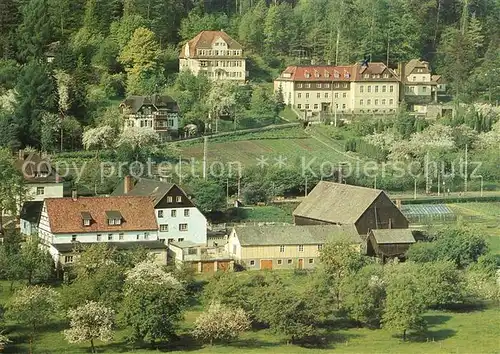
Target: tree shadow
pixel 433 320
pixel 466 307
pixel 327 340
pixel 251 343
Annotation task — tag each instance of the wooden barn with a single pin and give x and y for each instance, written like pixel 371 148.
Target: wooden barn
pixel 389 243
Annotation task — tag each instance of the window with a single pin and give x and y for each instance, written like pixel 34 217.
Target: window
pixel 383 102
pixel 343 106
pixel 169 199
pixel 391 88
pixel 299 106
pixel 111 221
pixel 40 190
pixel 320 247
pixel 384 88
pixel 307 95
pixel 120 236
pixel 183 227
pixel 308 85
pixel 326 85
pixel 173 213
pixel 86 222
pixel 299 95
pixel 301 248
pixel 73 238
pixel 299 85
pixel 282 248
pixel 160 213
pixel 318 95
pixel 376 102
pixel 369 88
pixel 315 106
pixel 180 239
pixel 376 88
pixel 164 227
pixel 336 95
pixel 424 89
pixel 326 95
pixel 360 102
pixel 110 237
pixel 307 105
pixel 280 261
pixel 318 85
pixel 366 76
pixel 99 237
pixel 289 261
pixel 391 101
pixel 361 88
pixel 344 95
pixel 68 259
pixel 414 78
pixel 368 102
pixel 146 235
pixel 311 261
pixel 252 263
pixel 178 199
pixel 186 212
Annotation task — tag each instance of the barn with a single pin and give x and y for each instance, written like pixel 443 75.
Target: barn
pixel 389 243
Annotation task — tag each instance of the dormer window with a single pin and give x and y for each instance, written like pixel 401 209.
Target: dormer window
pixel 86 218
pixel 327 74
pixel 367 76
pixel 307 75
pixel 336 74
pixel 316 74
pixel 114 217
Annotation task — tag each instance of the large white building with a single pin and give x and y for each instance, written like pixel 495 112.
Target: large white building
pixel 372 88
pixel 177 217
pixel 215 55
pixel 124 222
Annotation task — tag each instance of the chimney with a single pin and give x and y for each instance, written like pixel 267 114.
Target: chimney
pixel 74 195
pixel 398 203
pixel 127 184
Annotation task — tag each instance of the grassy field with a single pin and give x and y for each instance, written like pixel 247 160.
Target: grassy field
pixel 292 144
pixel 448 332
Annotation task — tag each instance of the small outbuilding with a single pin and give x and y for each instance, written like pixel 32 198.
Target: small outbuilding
pixel 389 243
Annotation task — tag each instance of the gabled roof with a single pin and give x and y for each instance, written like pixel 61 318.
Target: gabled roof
pixel 205 39
pixel 120 246
pixel 437 79
pixel 389 236
pixel 35 168
pixel 317 73
pixel 135 103
pixel 414 64
pixel 295 235
pixel 375 68
pixel 31 211
pixel 145 187
pixel 65 214
pixel 337 203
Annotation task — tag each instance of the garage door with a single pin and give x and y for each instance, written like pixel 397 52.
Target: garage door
pixel 207 267
pixel 266 264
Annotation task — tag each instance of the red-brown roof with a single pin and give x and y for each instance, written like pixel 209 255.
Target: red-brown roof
pixel 317 73
pixel 205 39
pixel 65 214
pixel 375 68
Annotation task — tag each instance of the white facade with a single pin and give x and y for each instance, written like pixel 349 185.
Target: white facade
pixel 181 224
pixel 40 191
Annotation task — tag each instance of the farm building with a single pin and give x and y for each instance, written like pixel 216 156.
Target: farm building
pixel 389 243
pixel 285 246
pixel 202 258
pixel 342 204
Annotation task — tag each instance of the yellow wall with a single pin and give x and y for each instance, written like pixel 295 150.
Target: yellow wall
pixel 291 251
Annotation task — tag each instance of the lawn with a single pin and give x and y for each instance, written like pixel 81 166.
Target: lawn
pixel 292 144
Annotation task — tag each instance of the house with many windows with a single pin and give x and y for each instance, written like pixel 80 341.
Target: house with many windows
pixel 159 113
pixel 214 54
pixel 67 224
pixel 285 246
pixel 177 216
pixel 372 88
pixel 418 87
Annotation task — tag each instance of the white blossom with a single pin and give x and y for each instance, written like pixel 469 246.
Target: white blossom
pixel 90 321
pixel 148 272
pixel 138 137
pixel 220 323
pixel 99 138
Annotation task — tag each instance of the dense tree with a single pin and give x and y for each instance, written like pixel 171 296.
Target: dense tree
pixel 37 264
pixel 250 30
pixel 33 306
pixel 209 196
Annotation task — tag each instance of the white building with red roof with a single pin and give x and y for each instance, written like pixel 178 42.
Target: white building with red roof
pixel 340 89
pixel 122 221
pixel 214 54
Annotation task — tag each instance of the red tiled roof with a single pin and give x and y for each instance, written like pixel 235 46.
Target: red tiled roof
pixel 65 214
pixel 204 40
pixel 318 73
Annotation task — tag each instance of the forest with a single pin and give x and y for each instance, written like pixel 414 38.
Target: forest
pixel 104 50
